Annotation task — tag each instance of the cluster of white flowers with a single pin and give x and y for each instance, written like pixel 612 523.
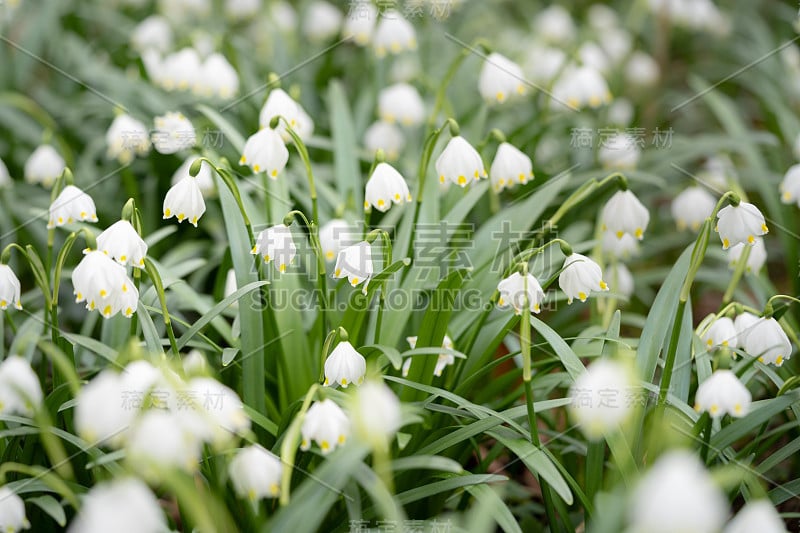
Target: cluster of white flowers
pixel 185 70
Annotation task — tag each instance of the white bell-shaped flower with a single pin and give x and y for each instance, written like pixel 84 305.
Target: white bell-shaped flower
pixel 256 473
pixel 44 166
pixel 184 201
pixel 326 424
pixel 152 33
pixel 283 16
pixel 401 103
pixel 459 163
pixel 722 393
pixel 578 87
pixel 354 263
pixel 217 413
pixel 744 324
pixel 758 516
pixel 766 340
pixel 691 208
pixel 516 289
pixel 616 42
pixel 280 104
pixel 554 24
pixel 600 398
pixel 180 71
pixel 442 361
pixel 173 133
pixel 121 242
pixel 741 223
pixel 375 413
pixel 204 178
pixel 121 505
pixel 20 390
pixel 509 167
pixel 394 34
pixel 322 21
pixel 335 235
pixel 127 138
pixel 345 366
pixel 624 213
pixel 157 441
pixel 756 258
pixel 592 55
pixel 384 136
pixel 500 79
pixel 12 512
pixel 217 78
pixel 642 70
pixel 359 24
pixel 579 277
pixel 9 288
pixel 275 244
pixel 195 363
pixel 384 187
pixel 104 285
pixel 623 247
pixel 105 409
pixel 677 481
pixel 790 185
pixel 621 279
pixel 722 333
pixel 265 151
pixel 620 152
pixel 70 205
pixel 544 63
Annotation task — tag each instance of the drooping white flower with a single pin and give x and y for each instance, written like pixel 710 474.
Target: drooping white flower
pixel 459 163
pixel 275 244
pixel 790 186
pixel 384 136
pixel 354 263
pixel 375 413
pixel 9 288
pixel 744 324
pixel 677 481
pixel 509 167
pixel 104 285
pixel 152 33
pixel 217 78
pixel 279 103
pixel 179 71
pixel 283 15
pixel 121 505
pixel 20 390
pixel 579 277
pixel 173 133
pixel 741 223
pixel 5 177
pixel 756 258
pixel 157 441
pixel 721 333
pixel 104 411
pixel 624 213
pixel 758 516
pixel 394 34
pixel 642 70
pixel 322 21
pixel 345 366
pixel 384 187
pixel 335 235
pixel 544 63
pixel 766 340
pixel 516 289
pixel 443 360
pixel 722 393
pixel 691 207
pixel 242 9
pixel 554 24
pixel 216 414
pixel 184 201
pixel 578 87
pixel 121 242
pixel 265 151
pixel 621 279
pixel 500 79
pixel 402 103
pixel 44 166
pixel 12 512
pixel 602 17
pixel 359 25
pixel 620 247
pixel 256 473
pixel 204 178
pixel 619 151
pixel 599 398
pixel 70 205
pixel 616 43
pixel 127 138
pixel 326 424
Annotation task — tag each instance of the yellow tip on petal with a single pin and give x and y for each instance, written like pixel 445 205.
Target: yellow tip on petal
pixel 256 168
pixel 726 243
pixel 500 96
pixel 582 296
pixel 462 180
pixel 603 285
pixel 639 233
pixel 751 239
pixel 764 228
pixel 779 360
pixel 620 234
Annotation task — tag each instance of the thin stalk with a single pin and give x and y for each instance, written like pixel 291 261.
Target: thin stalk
pixel 737 275
pixel 158 284
pixel 669 363
pixel 290 444
pixel 302 150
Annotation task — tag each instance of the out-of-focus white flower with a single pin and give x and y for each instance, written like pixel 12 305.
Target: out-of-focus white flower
pixel 554 24
pixel 620 151
pixel 183 11
pixel 394 34
pixel 623 247
pixel 173 133
pixel 121 242
pixel 180 71
pixel 578 87
pixel 642 70
pixel 256 473
pixel 217 78
pixel 184 200
pixel 126 138
pixel 543 63
pixel 790 186
pixel 500 79
pixel 625 214
pixel 70 205
pixel 721 333
pixel 384 136
pixel 602 17
pixel 283 16
pixel 230 284
pixel 617 44
pixel 354 263
pixel 345 366
pixel 579 277
pixel 384 187
pixel 509 167
pixel 722 393
pixel 204 178
pixel 242 9
pixel 716 173
pixel 516 289
pixel 620 112
pixel 9 288
pixel 744 324
pixel 335 235
pixel 756 258
pixel 621 279
pixel 12 512
pixel 326 424
pixel 766 340
pixel 157 441
pixel 20 391
pixel 104 285
pixel 322 21
pixel 758 516
pixel 275 244
pixel 443 361
pixel 279 103
pixel 44 166
pixel 741 223
pixel 691 208
pixel 195 363
pixel 153 33
pixel 217 416
pixel 265 151
pixel 591 55
pixel 123 506
pixel 405 68
pixel 375 413
pixel 692 14
pixel 459 163
pixel 359 24
pixel 104 411
pixel 677 481
pixel 402 103
pixel 597 398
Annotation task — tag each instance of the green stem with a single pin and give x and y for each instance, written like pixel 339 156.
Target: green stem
pixel 290 444
pixel 669 363
pixel 158 284
pixel 302 150
pixel 534 431
pixel 595 460
pixel 738 272
pixel 316 245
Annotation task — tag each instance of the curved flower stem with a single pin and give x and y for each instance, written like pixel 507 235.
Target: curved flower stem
pixel 303 151
pixel 441 92
pixel 768 306
pixel 227 178
pixel 59 266
pixel 526 255
pixel 158 284
pixel 741 266
pixel 316 245
pixel 387 260
pixel 290 443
